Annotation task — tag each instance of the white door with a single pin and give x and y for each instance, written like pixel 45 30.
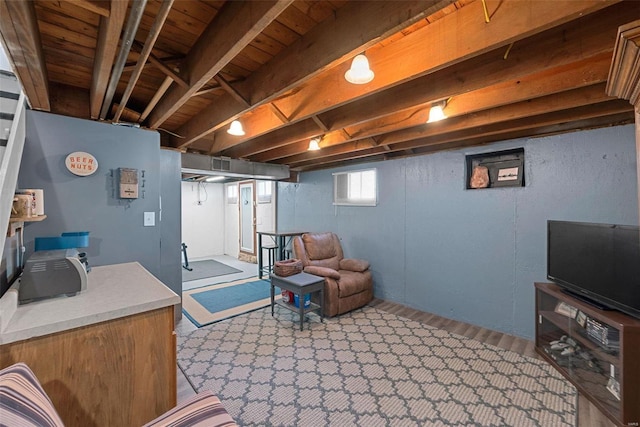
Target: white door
pixel 247 217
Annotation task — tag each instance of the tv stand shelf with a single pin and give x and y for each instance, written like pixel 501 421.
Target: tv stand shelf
pixel 577 333
pixel 600 354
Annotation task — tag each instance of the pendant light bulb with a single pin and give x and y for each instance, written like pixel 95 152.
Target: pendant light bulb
pixel 359 73
pixel 235 128
pixel 314 144
pixel 437 112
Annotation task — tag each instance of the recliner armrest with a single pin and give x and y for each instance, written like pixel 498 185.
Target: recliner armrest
pixel 322 271
pixel 352 264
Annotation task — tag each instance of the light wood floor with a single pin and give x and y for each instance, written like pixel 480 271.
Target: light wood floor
pixel 518 345
pixel 508 342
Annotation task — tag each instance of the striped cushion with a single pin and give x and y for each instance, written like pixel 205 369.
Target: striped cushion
pixel 202 410
pixel 23 402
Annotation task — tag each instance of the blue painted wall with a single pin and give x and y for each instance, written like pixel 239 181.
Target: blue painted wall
pixel 74 203
pixel 472 255
pixel 170 222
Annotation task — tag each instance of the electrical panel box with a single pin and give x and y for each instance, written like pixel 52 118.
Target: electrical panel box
pixel 128 183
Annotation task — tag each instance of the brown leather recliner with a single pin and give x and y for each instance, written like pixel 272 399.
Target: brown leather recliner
pixel 347 282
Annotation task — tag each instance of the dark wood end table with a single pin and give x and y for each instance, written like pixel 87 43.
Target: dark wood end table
pixel 300 284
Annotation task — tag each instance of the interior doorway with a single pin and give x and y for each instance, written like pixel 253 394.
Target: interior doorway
pixel 211 217
pixel 247 207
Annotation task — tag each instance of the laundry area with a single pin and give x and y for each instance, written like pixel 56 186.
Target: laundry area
pixel 219 229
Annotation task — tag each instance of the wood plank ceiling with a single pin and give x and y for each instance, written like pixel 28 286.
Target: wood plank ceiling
pixel 506 69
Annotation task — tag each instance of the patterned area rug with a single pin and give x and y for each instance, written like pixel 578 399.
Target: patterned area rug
pixel 368 368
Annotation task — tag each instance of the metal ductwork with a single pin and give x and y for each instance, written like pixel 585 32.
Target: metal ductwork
pixel 135 16
pixel 200 166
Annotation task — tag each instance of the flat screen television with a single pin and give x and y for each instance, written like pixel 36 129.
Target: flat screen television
pixel 597 262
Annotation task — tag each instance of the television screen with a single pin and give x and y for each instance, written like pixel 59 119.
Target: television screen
pixel 600 262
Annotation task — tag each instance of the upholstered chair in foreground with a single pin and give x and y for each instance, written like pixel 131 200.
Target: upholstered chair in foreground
pixel 24 403
pixel 347 282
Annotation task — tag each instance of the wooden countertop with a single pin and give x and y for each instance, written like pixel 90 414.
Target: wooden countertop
pixel 113 291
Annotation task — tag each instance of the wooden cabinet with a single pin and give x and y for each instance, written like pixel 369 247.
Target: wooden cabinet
pixel 120 372
pixel 598 351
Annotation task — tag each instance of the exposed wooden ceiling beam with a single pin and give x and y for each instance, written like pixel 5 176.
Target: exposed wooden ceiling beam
pixel 128 115
pixel 288 150
pixel 233 28
pixel 536 131
pixel 210 89
pixel 555 102
pixel 523 87
pixel 269 118
pixel 493 132
pixel 453 39
pixel 355 27
pixel 278 113
pixel 214 87
pixel 500 85
pixel 578 117
pixel 101 7
pixel 461 41
pixel 231 90
pixel 299 147
pixel 106 49
pixel 19 28
pixel 350 148
pixel 547 82
pixel 213 140
pixel 605 120
pixel 471 75
pixel 278 138
pixel 160 65
pixel 477 121
pixel 130 66
pixel 156 97
pixel 511 82
pixel 69 101
pixel 152 36
pixel 320 123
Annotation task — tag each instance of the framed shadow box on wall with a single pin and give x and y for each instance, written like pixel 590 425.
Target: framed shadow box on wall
pixel 495 169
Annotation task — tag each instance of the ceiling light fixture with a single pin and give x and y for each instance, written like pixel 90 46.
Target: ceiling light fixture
pixel 235 128
pixel 314 144
pixel 216 178
pixel 437 112
pixel 359 73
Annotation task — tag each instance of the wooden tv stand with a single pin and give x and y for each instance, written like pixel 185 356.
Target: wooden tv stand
pixel 599 354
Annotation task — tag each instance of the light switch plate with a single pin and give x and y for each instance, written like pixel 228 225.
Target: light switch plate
pixel 149 219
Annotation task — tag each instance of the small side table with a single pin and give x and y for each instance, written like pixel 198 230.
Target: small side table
pixel 300 284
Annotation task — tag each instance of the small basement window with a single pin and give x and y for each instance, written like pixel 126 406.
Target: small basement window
pixel 357 188
pixel 264 191
pixel 232 194
pixel 495 169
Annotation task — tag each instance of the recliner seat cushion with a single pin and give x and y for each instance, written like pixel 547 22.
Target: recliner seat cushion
pixel 353 282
